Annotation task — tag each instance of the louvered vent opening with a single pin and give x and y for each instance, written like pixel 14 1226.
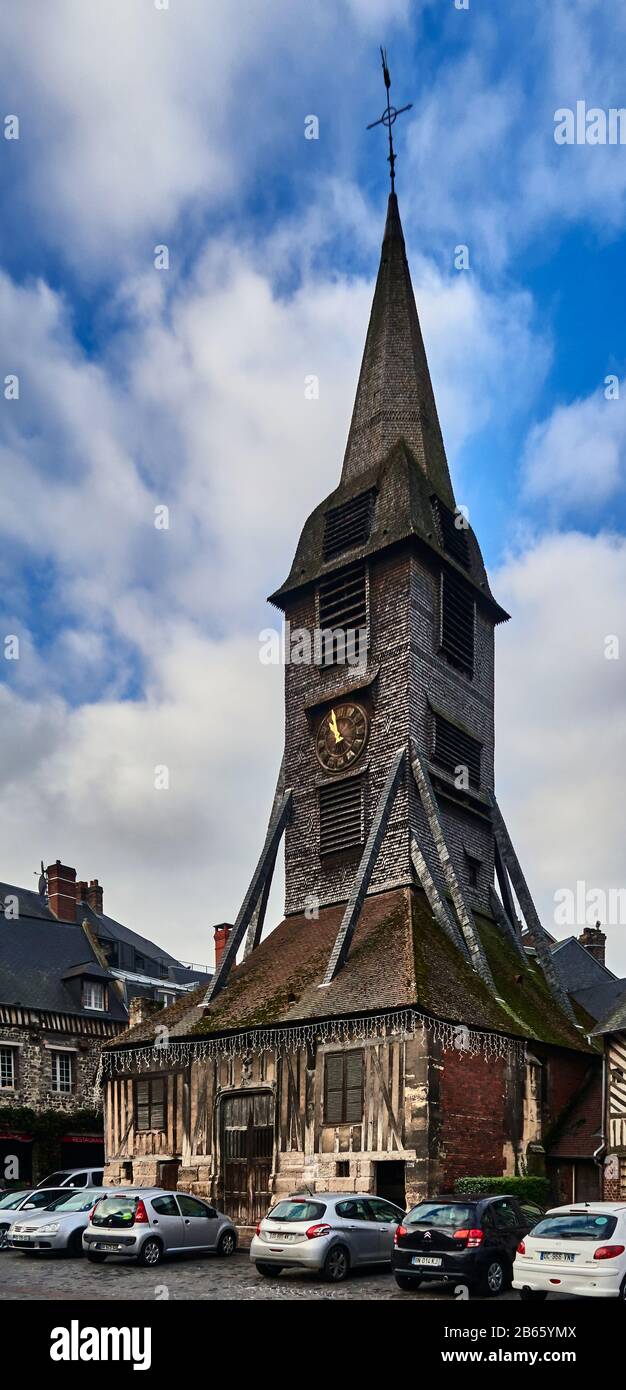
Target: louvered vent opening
pixel 452 530
pixel 343 1089
pixel 458 622
pixel 343 609
pixel 341 816
pixel 348 525
pixel 454 749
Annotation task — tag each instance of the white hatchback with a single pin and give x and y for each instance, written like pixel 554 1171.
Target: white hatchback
pixel 580 1249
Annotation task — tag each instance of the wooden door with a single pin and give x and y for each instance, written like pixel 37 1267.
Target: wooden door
pixel 247 1148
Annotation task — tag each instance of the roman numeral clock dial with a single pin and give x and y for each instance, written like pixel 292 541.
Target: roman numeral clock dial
pixel 341 736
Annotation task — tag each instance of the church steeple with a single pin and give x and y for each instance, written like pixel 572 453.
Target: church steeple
pixel 395 399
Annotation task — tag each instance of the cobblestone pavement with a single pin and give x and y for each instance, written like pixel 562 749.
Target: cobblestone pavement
pixel 56 1277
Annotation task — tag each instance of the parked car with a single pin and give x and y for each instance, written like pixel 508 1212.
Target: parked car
pixel 59 1226
pixel 27 1199
pixel 74 1177
pixel 580 1249
pixel 461 1240
pixel 148 1223
pixel 328 1233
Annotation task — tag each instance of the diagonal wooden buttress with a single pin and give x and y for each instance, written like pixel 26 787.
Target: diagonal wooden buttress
pixel 463 911
pixel 438 905
pixel 531 916
pixel 365 870
pixel 255 891
pixel 258 916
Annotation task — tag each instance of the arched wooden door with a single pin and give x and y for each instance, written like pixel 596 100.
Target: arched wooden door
pixel 247 1124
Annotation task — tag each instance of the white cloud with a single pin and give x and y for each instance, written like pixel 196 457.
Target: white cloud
pixel 576 458
pixel 561 718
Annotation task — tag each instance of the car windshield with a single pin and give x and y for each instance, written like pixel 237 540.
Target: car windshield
pixel 576 1225
pixel 115 1211
pixel 297 1211
pixel 11 1200
pixel 447 1216
pixel 74 1201
pixel 55 1179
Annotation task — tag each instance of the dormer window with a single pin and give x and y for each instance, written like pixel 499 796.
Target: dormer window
pixel 348 525
pixel 94 995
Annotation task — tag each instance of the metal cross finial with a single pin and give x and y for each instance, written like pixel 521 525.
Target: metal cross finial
pixel 388 117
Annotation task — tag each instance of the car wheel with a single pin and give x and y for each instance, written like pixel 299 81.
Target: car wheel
pixel 533 1295
pixel 227 1243
pixel 75 1244
pixel 267 1270
pixel 96 1257
pixel 405 1281
pixel 494 1279
pixel 151 1253
pixel 337 1264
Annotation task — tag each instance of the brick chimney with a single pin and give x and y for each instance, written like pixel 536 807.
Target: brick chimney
pixel 62 891
pixel 594 941
pixel 140 1009
pixel 81 891
pixel 95 896
pixel 221 935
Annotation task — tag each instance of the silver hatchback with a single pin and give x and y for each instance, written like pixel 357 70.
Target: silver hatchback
pixel 327 1233
pixel 147 1223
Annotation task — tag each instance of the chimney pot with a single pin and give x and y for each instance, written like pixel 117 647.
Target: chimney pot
pixel 221 934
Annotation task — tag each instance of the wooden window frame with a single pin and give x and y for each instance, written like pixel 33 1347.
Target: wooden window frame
pixel 13 1052
pixel 352 1052
pixel 95 985
pixel 150 1128
pixel 56 1056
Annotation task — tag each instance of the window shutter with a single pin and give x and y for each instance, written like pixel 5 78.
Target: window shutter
pixel 458 622
pixel 142 1104
pixel 453 748
pixel 343 609
pixel 341 816
pixel 157 1107
pixel 333 1109
pixel 354 1088
pixel 452 537
pixel 348 525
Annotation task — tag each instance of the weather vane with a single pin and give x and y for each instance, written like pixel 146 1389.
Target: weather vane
pixel 388 117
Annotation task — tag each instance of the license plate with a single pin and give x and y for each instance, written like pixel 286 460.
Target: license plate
pixel 22 1239
pixel 281 1236
pixel 426 1260
pixel 558 1256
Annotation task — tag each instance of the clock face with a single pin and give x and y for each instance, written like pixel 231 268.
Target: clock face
pixel 341 736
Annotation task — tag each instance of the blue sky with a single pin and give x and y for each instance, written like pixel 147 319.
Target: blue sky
pixel 138 387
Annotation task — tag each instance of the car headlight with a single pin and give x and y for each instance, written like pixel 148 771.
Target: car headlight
pixel 49 1230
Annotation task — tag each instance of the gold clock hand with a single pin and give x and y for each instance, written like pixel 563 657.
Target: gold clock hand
pixel 334 727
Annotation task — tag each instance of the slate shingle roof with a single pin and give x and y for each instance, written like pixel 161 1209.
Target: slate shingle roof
pixel 37 955
pixel 398 957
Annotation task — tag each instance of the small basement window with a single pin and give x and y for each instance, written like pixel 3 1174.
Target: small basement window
pixel 342 1169
pixel 341 816
pixel 457 752
pixel 473 870
pixel 348 525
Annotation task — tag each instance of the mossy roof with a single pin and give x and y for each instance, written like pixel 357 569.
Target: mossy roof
pixel 399 958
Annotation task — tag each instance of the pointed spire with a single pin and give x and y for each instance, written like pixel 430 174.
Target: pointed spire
pixel 395 398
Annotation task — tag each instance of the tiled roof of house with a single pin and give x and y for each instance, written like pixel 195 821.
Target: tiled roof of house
pixel 399 957
pixel 38 960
